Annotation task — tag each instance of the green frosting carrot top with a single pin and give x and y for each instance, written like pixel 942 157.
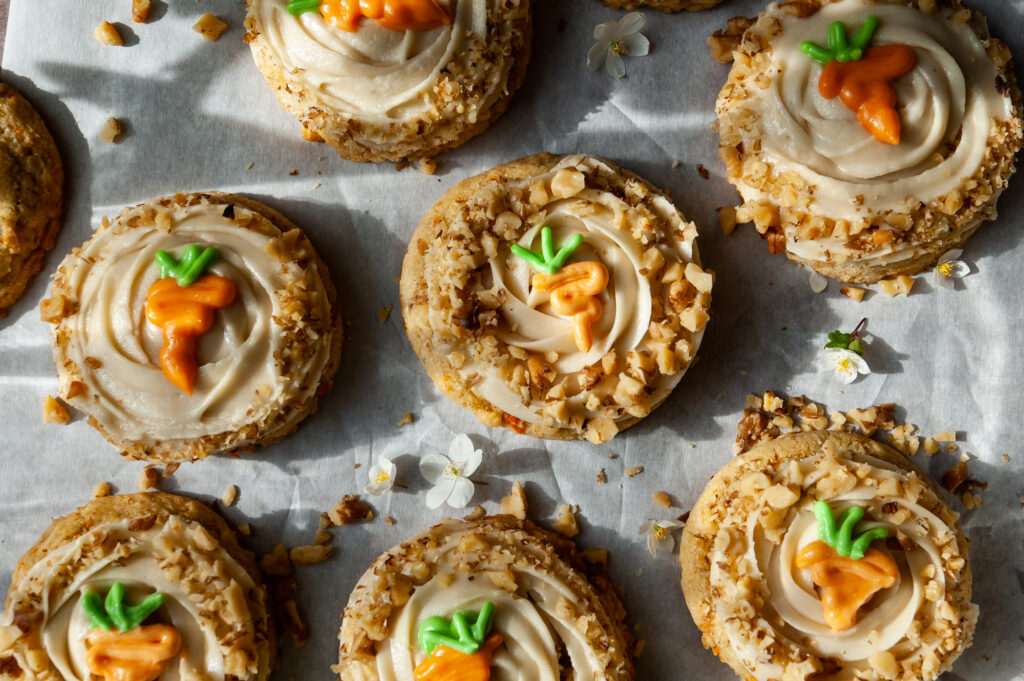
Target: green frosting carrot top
pixel 841 539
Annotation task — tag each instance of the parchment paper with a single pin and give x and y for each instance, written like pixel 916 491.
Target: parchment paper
pixel 198 114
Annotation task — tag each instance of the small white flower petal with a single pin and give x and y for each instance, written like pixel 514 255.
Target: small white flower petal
pixel 596 56
pixel 615 65
pixel 637 45
pixel 609 30
pixel 951 254
pixel 460 448
pixel 661 545
pixel 631 23
pixel 845 364
pixel 818 282
pixel 646 527
pixel 670 525
pixel 958 269
pixel 461 493
pixel 651 545
pixel 439 493
pixel 944 281
pixel 432 467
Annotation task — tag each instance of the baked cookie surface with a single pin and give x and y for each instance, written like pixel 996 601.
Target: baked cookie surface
pixel 170 369
pixel 548 619
pixel 389 90
pixel 584 349
pixel 857 187
pixel 210 621
pixel 664 5
pixel 776 599
pixel 31 194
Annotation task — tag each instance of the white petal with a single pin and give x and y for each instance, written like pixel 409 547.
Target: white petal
pixel 847 376
pixel 944 281
pixel 597 55
pixel 439 493
pixel 460 448
pixel 669 524
pixel 631 23
pixel 462 492
pixel 615 66
pixel 664 545
pixel 651 546
pixel 818 282
pixel 959 270
pixel 432 467
pixel 606 31
pixel 637 45
pixel 646 527
pixel 375 490
pixel 951 255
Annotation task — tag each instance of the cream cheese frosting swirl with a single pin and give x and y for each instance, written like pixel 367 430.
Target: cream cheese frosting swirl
pixel 269 348
pixel 208 600
pixel 549 618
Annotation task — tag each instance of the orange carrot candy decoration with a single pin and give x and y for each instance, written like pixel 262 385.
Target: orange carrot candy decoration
pixel 131 652
pixel 397 15
pixel 457 650
pixel 862 76
pixel 848 572
pixel 183 307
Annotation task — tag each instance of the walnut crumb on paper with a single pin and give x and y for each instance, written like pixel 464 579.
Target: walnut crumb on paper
pixel 102 489
pixel 230 495
pixel 565 523
pixel 662 499
pixel 598 557
pixel 148 478
pixel 634 471
pixel 210 27
pixel 54 411
pixel 854 293
pixel 140 11
pixel 897 286
pixel 405 420
pixel 310 554
pixel 727 219
pixel 108 34
pixel 384 312
pixel 428 166
pixel 349 510
pixel 515 503
pixel 602 477
pixel 111 131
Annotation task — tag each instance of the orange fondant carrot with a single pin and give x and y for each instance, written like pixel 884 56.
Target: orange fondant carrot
pixel 448 664
pixel 185 313
pixel 136 655
pixel 573 289
pixel 398 15
pixel 846 584
pixel 865 86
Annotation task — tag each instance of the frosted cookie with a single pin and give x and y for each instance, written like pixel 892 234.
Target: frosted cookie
pixel 663 5
pixel 496 598
pixel 561 297
pixel 390 80
pixel 827 555
pixel 139 587
pixel 867 139
pixel 31 194
pixel 194 324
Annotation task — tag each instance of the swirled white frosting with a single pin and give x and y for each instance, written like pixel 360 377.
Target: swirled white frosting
pixel 890 621
pixel 117 348
pixel 947 104
pixel 148 567
pixel 375 73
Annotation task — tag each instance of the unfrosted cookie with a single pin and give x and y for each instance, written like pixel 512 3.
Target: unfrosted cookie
pixel 776 597
pixel 867 168
pixel 536 610
pixel 194 324
pixel 587 342
pixel 663 5
pixel 31 194
pixel 392 80
pixel 149 585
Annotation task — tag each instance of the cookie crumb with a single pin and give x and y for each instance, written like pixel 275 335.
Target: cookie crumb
pixel 1005 457
pixel 854 293
pixel 310 554
pixel 276 562
pixel 602 477
pixel 230 494
pixel 676 163
pixel 210 27
pixel 293 623
pixel 316 186
pixel 384 312
pixel 565 524
pixel 54 411
pixel 477 513
pixel 405 420
pixel 897 286
pixel 389 521
pixel 148 478
pixel 662 499
pixel 703 172
pixel 930 447
pixel 108 34
pixel 515 503
pixel 322 537
pixel 244 529
pixel 102 489
pixel 428 166
pixel 727 219
pixel 638 649
pixel 293 172
pixel 349 510
pixel 634 471
pixel 945 436
pixel 249 165
pixel 170 470
pixel 140 11
pixel 112 129
pixel 597 557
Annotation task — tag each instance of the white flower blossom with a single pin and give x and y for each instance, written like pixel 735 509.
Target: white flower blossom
pixel 949 268
pixel 449 475
pixel 382 477
pixel 846 364
pixel 616 39
pixel 659 535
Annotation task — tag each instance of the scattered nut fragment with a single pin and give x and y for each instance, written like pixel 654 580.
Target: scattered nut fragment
pixel 148 478
pixel 428 166
pixel 634 471
pixel 54 411
pixel 276 562
pixel 308 555
pixel 322 537
pixel 565 524
pixel 107 34
pixel 662 499
pixel 515 503
pixel 210 27
pixel 945 436
pixel 230 494
pixel 896 286
pixel 723 41
pixel 853 292
pixel 244 529
pixel 597 557
pixel 389 521
pixel 112 129
pixel 288 612
pixel 638 649
pixel 727 219
pixel 140 11
pixel 602 477
pixel 477 513
pixel 405 420
pixel 384 312
pixel 349 510
pixel 102 489
pixel 930 447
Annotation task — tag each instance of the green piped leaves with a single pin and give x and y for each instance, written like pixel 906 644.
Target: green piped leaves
pixel 840 48
pixel 841 539
pixel 465 631
pixel 297 7
pixel 548 261
pixel 194 262
pixel 113 612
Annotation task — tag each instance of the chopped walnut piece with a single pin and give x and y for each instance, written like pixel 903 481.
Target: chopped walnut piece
pixel 662 499
pixel 853 292
pixel 477 513
pixel 148 478
pixel 102 489
pixel 313 553
pixel 230 495
pixel 349 510
pixel 752 428
pixel 54 411
pixel 383 313
pixel 597 557
pixel 601 429
pixel 107 34
pixel 405 420
pixel 428 166
pixel 276 562
pixel 727 219
pixel 210 27
pixel 140 11
pixel 723 41
pixel 244 529
pixel 565 524
pixel 896 286
pixel 634 471
pixel 112 129
pixel 602 477
pixel 945 436
pixel 515 503
pixel 293 623
pixel 638 647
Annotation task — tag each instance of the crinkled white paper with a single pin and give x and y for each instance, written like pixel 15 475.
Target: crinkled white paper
pixel 199 116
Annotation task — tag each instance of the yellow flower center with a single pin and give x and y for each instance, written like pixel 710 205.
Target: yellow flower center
pixel 618 47
pixel 659 532
pixel 381 478
pixel 945 268
pixel 452 471
pixel 844 365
